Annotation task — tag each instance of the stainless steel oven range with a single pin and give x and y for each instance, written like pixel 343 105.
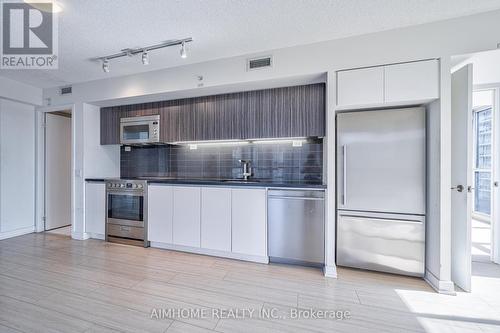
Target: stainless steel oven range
pixel 126 212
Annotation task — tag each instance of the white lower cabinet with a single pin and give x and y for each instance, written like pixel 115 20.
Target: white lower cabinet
pixel 95 209
pixel 249 222
pixel 160 213
pixel 186 216
pixel 223 221
pixel 216 218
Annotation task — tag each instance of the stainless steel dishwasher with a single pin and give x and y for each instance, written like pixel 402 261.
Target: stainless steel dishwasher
pixel 296 226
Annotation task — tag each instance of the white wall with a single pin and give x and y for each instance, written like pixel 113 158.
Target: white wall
pixel 435 40
pixel 17 168
pixel 17 91
pixel 486 67
pixel 99 161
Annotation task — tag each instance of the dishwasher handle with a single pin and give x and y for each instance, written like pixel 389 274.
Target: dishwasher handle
pixel 295 198
pixel 297 194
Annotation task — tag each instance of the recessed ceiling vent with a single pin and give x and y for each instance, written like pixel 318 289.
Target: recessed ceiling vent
pixel 259 63
pixel 66 90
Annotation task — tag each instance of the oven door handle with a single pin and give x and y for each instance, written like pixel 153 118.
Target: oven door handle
pixel 130 194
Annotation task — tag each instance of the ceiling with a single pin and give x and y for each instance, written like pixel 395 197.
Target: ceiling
pixel 220 28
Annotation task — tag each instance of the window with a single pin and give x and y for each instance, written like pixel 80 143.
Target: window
pixel 482 141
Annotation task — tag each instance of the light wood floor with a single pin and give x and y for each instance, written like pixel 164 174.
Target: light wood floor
pixel 50 283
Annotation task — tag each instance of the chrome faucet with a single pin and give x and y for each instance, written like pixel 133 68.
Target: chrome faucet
pixel 247 170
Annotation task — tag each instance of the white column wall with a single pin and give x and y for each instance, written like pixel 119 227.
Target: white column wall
pixel 17 168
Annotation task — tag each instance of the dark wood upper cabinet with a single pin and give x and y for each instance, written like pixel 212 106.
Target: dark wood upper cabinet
pixel 297 111
pixel 228 114
pixel 169 112
pixel 307 110
pixel 110 125
pixel 187 120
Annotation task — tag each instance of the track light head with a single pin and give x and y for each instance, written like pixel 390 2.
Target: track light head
pixel 183 51
pixel 105 66
pixel 145 58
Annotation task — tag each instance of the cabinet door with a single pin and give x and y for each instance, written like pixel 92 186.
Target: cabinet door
pixel 187 120
pixel 251 116
pixel 415 81
pixel 249 234
pixel 95 208
pixel 169 121
pixel 360 87
pixel 307 115
pixel 228 116
pixel 110 125
pixel 186 218
pixel 160 214
pixel 216 218
pixel 204 109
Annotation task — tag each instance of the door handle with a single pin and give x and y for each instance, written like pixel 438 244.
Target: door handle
pixel 495 184
pixel 344 175
pixel 469 189
pixel 459 188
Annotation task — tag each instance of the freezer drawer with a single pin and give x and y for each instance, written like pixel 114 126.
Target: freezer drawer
pixel 125 231
pixel 296 226
pixel 391 243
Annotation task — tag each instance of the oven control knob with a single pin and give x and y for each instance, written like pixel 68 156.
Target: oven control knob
pixel 140 185
pixel 134 185
pixel 122 185
pixel 110 185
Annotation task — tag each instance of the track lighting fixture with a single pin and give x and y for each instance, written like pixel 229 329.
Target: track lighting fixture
pixel 105 65
pixel 183 51
pixel 145 58
pixel 144 51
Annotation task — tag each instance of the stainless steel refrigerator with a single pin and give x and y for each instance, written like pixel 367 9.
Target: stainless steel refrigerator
pixel 381 192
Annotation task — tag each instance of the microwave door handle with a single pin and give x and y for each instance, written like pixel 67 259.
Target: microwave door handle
pixel 344 175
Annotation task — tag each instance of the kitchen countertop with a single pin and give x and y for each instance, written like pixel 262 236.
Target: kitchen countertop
pixel 218 182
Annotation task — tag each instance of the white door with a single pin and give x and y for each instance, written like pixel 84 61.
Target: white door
pixel 216 218
pixel 249 222
pixel 186 216
pixel 57 171
pixel 461 176
pixel 95 209
pixel 160 213
pixel 495 216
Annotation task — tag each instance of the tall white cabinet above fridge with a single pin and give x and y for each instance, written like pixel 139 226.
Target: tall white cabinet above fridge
pixel 381 190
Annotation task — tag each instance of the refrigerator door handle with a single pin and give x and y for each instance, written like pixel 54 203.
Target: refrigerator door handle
pixel 344 175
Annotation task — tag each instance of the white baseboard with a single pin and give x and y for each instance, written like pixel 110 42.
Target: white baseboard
pixel 330 271
pixel 441 286
pixel 96 236
pixel 17 232
pixel 80 235
pixel 216 253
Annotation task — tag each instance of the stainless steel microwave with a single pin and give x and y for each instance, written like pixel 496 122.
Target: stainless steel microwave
pixel 140 130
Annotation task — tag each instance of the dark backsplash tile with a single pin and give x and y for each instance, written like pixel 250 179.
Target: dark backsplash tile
pixel 270 161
